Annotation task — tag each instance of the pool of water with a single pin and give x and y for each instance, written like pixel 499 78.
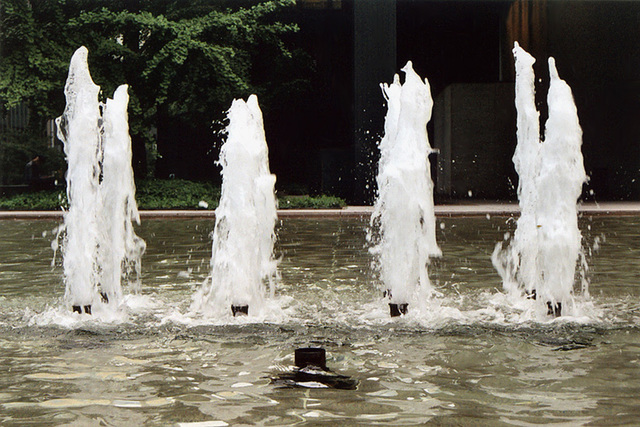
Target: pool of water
pixel 476 358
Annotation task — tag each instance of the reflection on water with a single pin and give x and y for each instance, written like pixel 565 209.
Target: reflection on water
pixel 475 361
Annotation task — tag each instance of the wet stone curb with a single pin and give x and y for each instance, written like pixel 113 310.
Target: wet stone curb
pixel 457 210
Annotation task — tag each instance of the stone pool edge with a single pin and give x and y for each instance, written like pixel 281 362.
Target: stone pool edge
pixel 445 210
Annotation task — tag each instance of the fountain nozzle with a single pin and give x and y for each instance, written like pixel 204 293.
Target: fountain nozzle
pixel 554 310
pixel 78 309
pixel 240 310
pixel 398 309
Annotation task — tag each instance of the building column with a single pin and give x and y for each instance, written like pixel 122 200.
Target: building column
pixel 374 56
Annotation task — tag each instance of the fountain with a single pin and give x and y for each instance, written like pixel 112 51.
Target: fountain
pixel 120 250
pixel 243 237
pixel 99 247
pixel 402 228
pixel 477 363
pixel 540 260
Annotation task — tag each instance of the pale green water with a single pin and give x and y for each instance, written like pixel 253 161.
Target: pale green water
pixel 476 360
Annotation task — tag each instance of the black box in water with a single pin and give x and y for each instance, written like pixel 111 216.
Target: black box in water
pixel 311 372
pixel 310 356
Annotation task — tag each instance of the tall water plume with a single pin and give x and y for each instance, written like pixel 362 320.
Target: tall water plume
pixel 243 269
pixel 99 244
pixel 403 222
pixel 120 249
pixel 540 260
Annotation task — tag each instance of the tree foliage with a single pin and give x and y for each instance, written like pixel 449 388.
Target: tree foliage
pixel 32 59
pixel 182 60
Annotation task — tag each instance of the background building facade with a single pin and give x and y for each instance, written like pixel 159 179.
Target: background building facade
pixel 464 49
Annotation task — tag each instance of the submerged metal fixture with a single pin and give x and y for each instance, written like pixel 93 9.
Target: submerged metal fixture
pixel 554 310
pixel 310 356
pixel 395 309
pixel 104 297
pixel 240 310
pixel 78 309
pixel 398 309
pixel 310 371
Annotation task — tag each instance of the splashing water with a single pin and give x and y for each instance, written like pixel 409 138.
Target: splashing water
pixel 403 222
pixel 242 260
pixel 541 259
pixel 118 208
pixel 99 245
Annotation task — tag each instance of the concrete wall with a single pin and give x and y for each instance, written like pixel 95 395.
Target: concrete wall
pixel 464 49
pixel 596 45
pixel 474 130
pixel 374 62
pixel 597 49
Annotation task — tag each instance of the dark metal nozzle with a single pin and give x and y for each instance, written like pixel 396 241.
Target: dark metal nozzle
pixel 398 309
pixel 554 310
pixel 78 309
pixel 239 310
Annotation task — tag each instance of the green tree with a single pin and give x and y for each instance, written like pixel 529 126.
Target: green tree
pixel 184 61
pixel 31 64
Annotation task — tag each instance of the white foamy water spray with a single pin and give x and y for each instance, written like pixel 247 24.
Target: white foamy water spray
pixel 540 260
pixel 243 269
pixel 403 222
pixel 99 245
pixel 120 249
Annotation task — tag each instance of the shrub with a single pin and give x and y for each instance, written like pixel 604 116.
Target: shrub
pixel 164 194
pixel 176 194
pixel 38 201
pixel 308 202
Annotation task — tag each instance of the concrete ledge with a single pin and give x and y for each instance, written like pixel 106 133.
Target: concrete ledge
pixel 458 210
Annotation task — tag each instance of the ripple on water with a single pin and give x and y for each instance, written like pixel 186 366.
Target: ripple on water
pixel 474 356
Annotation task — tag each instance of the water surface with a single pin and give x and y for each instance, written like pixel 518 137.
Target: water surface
pixel 475 359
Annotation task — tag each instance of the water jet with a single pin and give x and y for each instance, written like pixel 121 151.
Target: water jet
pixel 540 260
pixel 99 246
pixel 243 269
pixel 402 227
